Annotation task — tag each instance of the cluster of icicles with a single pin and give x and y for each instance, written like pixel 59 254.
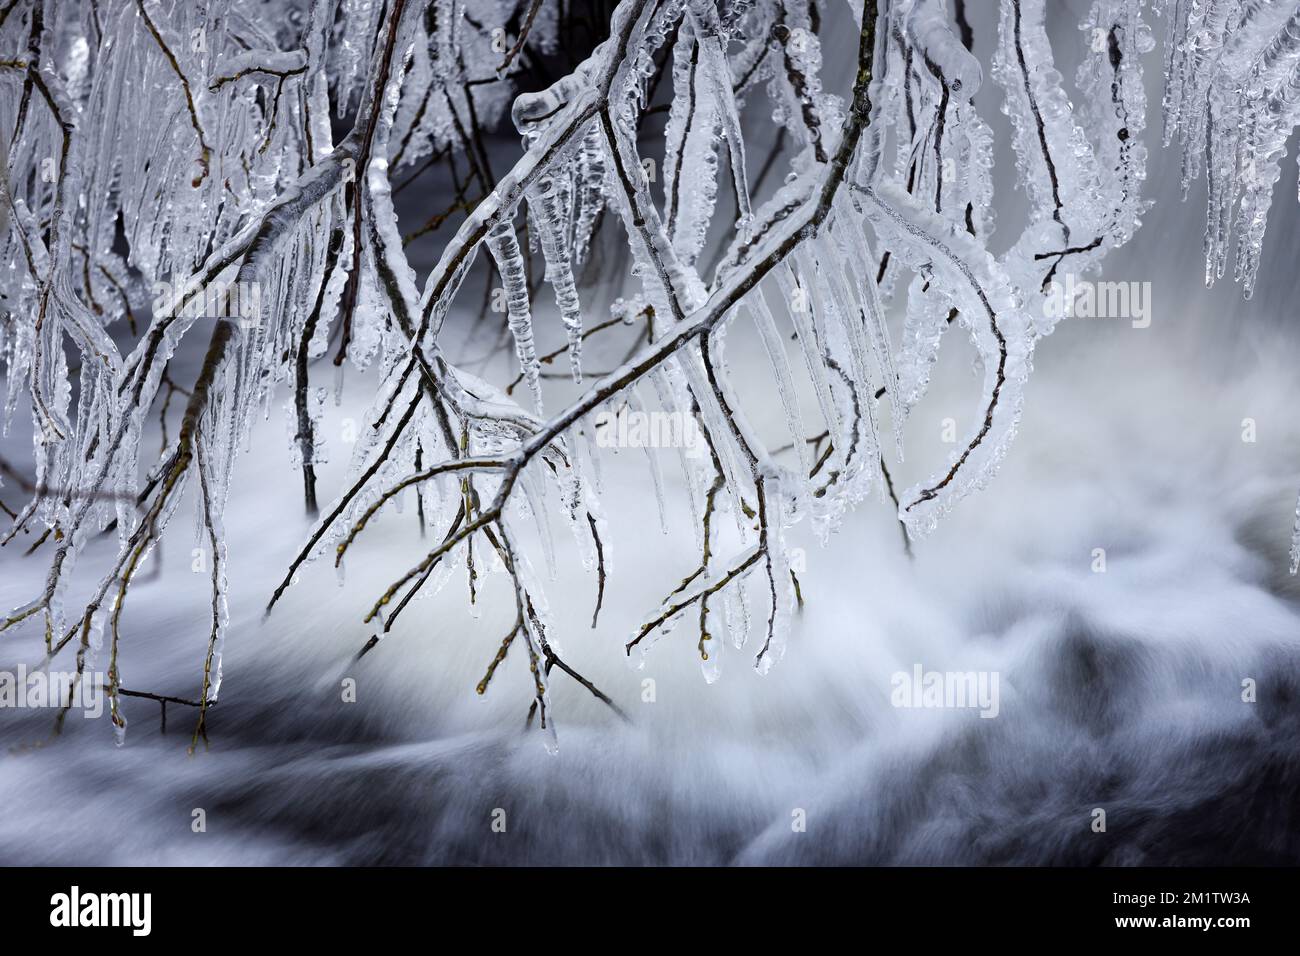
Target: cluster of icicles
pixel 237 179
pixel 1232 99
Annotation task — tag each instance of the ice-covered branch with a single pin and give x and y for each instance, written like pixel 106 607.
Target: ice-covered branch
pixel 872 246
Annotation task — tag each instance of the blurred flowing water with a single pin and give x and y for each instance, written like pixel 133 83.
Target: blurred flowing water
pixel 1119 690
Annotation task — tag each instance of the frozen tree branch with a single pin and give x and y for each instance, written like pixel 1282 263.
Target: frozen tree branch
pixel 872 246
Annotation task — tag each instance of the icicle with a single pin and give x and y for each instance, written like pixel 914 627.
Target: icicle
pixel 690 153
pixel 873 311
pixel 591 191
pixel 549 217
pixel 535 498
pixel 806 312
pixel 735 611
pixel 848 315
pixel 713 59
pixel 774 345
pixel 504 245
